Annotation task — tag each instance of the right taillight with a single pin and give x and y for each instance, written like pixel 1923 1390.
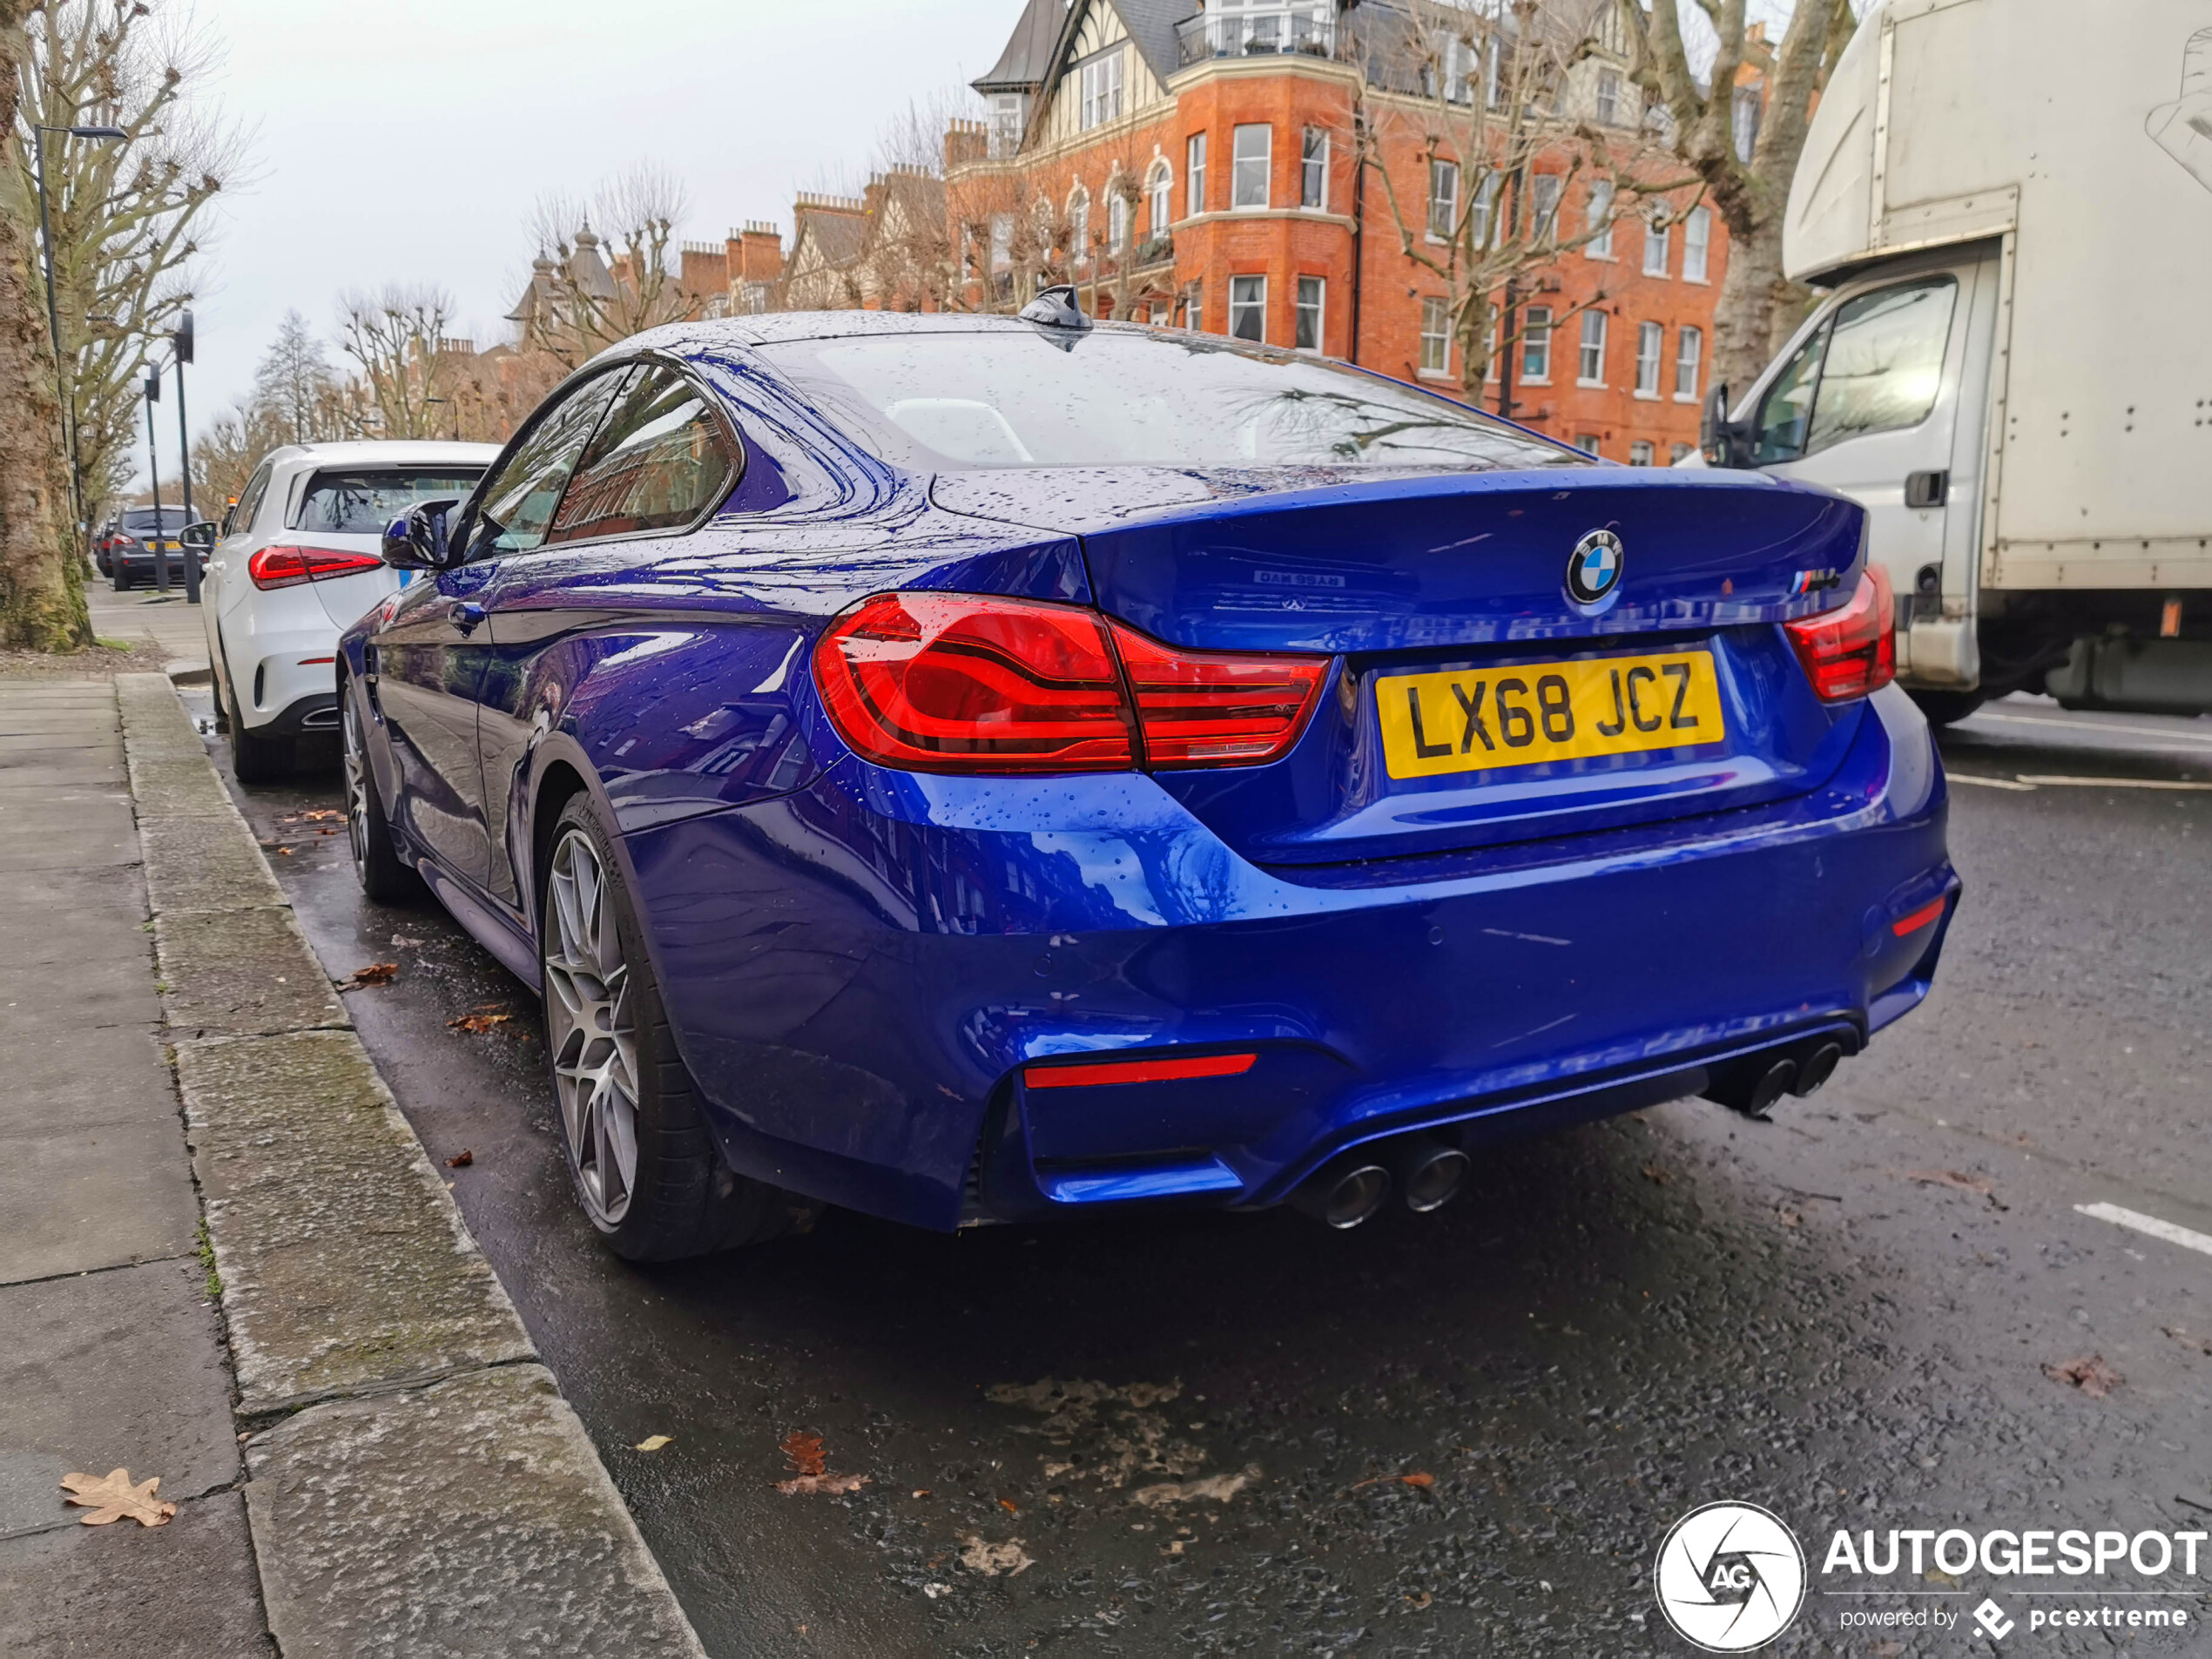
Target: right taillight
pixel 940 682
pixel 1851 651
pixel 287 567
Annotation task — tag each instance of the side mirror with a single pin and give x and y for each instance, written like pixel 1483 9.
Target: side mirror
pixel 1726 442
pixel 200 536
pixel 417 539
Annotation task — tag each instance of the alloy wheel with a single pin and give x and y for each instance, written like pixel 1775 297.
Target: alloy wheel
pixel 357 826
pixel 588 1028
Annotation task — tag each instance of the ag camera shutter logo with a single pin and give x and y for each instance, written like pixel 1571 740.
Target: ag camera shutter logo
pixel 1730 1577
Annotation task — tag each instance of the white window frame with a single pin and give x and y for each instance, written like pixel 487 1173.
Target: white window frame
pixel 1099 83
pixel 1436 331
pixel 1608 99
pixel 1651 346
pixel 1644 453
pixel 1079 228
pixel 1697 245
pixel 1444 195
pixel 1486 203
pixel 1005 132
pixel 1247 169
pixel 1253 288
pixel 1658 240
pixel 1678 453
pixel 1316 309
pixel 1600 212
pixel 1589 363
pixel 1119 223
pixel 1689 362
pixel 1536 345
pixel 1313 169
pixel 1586 443
pixel 1159 196
pixel 1194 173
pixel 1545 190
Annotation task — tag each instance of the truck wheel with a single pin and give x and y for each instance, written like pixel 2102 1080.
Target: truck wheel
pixel 1947 708
pixel 644 1167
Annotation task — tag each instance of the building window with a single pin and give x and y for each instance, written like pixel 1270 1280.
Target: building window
pixel 1248 308
pixel 1001 242
pixel 1194 306
pixel 1459 70
pixel 1599 247
pixel 1250 153
pixel 1443 198
pixel 1312 292
pixel 1493 74
pixel 1079 227
pixel 1194 192
pixel 1006 124
pixel 1587 443
pixel 1676 453
pixel 1697 244
pixel 1436 336
pixel 1158 192
pixel 1655 245
pixel 1101 90
pixel 1590 371
pixel 1314 168
pixel 1642 454
pixel 1118 220
pixel 1609 96
pixel 1746 123
pixel 1690 351
pixel 1486 201
pixel 1543 196
pixel 1651 340
pixel 1536 343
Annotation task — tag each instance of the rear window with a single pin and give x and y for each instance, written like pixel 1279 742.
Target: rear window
pixel 1018 398
pixel 362 503
pixel 142 518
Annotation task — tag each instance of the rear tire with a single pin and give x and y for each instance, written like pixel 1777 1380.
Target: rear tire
pixel 384 876
pixel 257 759
pixel 644 1166
pixel 1947 708
pixel 121 582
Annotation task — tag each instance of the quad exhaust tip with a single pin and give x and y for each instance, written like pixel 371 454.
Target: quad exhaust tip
pixel 1345 1193
pixel 1430 1173
pixel 1755 1085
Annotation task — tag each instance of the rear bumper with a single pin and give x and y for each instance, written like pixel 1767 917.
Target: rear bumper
pixel 860 972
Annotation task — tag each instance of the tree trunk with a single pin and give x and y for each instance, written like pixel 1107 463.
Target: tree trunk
pixel 1753 293
pixel 42 592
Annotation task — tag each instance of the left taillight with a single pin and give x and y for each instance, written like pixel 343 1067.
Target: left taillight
pixel 1850 652
pixel 287 567
pixel 930 682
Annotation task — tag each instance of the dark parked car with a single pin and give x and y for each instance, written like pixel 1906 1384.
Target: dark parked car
pixel 971 769
pixel 141 536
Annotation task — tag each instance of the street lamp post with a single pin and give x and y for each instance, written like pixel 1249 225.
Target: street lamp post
pixel 154 468
pixel 62 390
pixel 182 339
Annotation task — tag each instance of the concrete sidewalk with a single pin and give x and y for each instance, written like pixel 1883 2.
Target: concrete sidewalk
pixel 176 627
pixel 246 1277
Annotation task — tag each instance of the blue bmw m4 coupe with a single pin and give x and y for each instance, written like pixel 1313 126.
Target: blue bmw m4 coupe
pixel 973 769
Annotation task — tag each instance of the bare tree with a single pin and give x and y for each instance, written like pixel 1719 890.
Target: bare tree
pixel 1757 306
pixel 591 287
pixel 229 449
pixel 1476 91
pixel 398 341
pixel 295 387
pixel 124 215
pixel 42 595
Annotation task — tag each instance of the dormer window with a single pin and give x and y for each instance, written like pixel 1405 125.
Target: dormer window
pixel 1005 135
pixel 1100 84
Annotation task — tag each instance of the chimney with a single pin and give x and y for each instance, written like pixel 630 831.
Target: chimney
pixel 966 142
pixel 705 270
pixel 757 252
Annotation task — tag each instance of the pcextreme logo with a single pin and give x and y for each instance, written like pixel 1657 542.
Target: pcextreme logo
pixel 1730 1577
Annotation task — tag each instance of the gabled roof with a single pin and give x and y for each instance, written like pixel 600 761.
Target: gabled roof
pixel 1028 57
pixel 1151 25
pixel 836 236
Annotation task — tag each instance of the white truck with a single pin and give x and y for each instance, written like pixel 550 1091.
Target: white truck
pixel 2009 203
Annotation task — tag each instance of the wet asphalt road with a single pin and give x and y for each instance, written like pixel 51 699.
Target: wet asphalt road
pixel 1842 1315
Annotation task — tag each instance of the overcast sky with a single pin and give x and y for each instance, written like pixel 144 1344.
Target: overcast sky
pixel 405 140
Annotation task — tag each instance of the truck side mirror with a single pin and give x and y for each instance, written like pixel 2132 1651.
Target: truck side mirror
pixel 1726 442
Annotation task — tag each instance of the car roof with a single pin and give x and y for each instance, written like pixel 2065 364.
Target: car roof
pixel 778 328
pixel 384 452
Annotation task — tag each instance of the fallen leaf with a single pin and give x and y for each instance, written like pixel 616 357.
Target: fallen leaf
pixel 991 1560
pixel 1955 1181
pixel 1420 1478
pixel 112 1497
pixel 2202 1344
pixel 1422 1600
pixel 1786 1215
pixel 477 1024
pixel 1657 1176
pixel 653 1442
pixel 921 1492
pixel 374 974
pixel 2089 1374
pixel 933 1591
pixel 1219 1488
pixel 806 1485
pixel 1010 1506
pixel 314 815
pixel 804 1452
pixel 1423 1481
pixel 462 1159
pixel 806 1456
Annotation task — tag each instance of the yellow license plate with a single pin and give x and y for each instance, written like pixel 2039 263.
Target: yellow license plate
pixel 1477 719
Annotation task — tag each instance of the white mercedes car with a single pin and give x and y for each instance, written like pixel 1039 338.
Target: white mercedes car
pixel 296 561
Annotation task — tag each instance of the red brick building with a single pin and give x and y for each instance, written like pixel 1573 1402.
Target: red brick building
pixel 1197 162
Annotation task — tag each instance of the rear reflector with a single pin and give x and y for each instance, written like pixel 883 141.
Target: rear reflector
pixel 1917 919
pixel 944 682
pixel 1209 709
pixel 1850 652
pixel 1091 1074
pixel 287 567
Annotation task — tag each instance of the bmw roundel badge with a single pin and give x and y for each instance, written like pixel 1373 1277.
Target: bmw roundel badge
pixel 1594 568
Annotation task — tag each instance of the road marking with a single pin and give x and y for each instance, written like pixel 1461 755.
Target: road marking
pixel 2030 780
pixel 2089 725
pixel 2183 1236
pixel 1993 783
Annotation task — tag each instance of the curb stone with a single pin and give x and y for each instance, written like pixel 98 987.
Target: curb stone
pixel 429 1491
